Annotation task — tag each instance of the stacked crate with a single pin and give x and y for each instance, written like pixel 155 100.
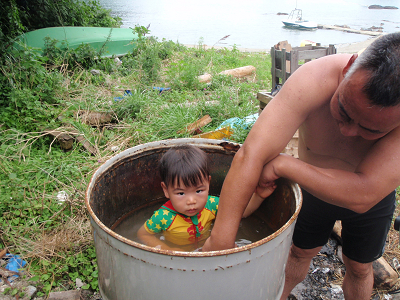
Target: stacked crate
pixel 283 64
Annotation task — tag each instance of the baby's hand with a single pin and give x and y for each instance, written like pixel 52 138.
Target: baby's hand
pixel 266 190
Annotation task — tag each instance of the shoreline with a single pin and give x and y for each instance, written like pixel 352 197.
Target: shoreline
pixel 350 48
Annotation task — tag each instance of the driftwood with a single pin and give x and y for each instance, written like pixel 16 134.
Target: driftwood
pixel 196 126
pixel 384 275
pixel 94 118
pixel 66 140
pixel 3 252
pixel 237 73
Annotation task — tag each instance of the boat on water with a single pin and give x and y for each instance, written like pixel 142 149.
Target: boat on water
pixel 295 20
pixel 113 41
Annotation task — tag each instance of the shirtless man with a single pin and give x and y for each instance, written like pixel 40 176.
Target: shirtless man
pixel 347 110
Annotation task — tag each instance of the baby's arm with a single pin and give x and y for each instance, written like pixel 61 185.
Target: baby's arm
pixel 258 197
pixel 151 240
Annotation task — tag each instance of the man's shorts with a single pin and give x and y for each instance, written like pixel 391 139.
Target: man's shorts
pixel 363 235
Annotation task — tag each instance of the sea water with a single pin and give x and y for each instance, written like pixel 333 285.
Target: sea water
pixel 251 229
pixel 253 23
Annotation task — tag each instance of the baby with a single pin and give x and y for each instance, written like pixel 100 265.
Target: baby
pixel 186 218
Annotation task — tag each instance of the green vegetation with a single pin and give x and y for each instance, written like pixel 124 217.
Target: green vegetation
pixel 42 213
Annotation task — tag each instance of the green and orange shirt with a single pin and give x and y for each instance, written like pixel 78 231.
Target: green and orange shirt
pixel 179 228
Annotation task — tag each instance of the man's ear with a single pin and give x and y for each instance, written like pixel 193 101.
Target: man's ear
pixel 165 190
pixel 349 63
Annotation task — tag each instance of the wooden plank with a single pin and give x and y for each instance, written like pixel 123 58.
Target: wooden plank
pixel 283 62
pixel 311 54
pixel 294 61
pixel 264 97
pixel 278 73
pixel 273 67
pixel 195 126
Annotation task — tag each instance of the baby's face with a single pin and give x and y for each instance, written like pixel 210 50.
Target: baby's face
pixel 187 200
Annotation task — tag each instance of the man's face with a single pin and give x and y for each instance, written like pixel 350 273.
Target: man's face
pixel 356 116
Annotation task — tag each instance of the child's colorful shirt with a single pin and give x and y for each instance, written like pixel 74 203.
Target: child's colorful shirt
pixel 179 228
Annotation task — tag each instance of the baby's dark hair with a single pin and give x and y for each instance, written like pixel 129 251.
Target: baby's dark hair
pixel 185 164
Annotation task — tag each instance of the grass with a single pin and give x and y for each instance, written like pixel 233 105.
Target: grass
pixel 42 186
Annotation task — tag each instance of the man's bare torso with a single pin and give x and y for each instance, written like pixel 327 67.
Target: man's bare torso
pixel 321 143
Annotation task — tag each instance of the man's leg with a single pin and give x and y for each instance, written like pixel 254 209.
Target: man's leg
pixel 358 281
pixel 297 267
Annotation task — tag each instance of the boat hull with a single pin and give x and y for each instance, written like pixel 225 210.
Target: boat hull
pixel 113 41
pixel 300 24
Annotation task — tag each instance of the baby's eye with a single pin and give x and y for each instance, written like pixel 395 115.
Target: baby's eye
pixel 199 191
pixel 181 193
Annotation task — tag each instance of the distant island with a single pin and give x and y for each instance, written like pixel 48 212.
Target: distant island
pixel 382 7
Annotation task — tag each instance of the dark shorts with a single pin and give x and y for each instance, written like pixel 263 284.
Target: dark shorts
pixel 364 235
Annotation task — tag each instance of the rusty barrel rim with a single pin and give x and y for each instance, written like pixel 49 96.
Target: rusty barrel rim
pixel 219 144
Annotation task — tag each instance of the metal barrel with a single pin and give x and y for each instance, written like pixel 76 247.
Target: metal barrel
pixel 130 270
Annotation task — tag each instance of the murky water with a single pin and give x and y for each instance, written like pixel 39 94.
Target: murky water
pixel 251 229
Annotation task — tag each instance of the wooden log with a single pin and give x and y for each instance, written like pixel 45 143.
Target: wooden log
pixel 239 72
pixel 385 277
pixel 205 78
pixel 195 126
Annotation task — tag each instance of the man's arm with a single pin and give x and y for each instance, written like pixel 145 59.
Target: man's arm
pixel 301 94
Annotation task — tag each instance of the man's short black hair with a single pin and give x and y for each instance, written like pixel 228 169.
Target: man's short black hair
pixel 382 61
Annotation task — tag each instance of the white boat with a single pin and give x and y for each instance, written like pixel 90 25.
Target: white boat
pixel 295 20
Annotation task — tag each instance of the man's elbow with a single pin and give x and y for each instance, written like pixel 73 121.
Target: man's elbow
pixel 364 204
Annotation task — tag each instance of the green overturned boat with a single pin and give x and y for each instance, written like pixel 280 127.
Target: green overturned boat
pixel 114 41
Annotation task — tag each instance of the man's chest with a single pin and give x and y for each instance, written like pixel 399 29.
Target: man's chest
pixel 320 139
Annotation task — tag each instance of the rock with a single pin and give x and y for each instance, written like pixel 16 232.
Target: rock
pixel 336 292
pixel 30 290
pixel 95 72
pixel 79 283
pixel 297 291
pixel 382 7
pixel 67 295
pixel 117 61
pixel 375 6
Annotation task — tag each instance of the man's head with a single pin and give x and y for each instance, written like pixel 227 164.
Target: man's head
pixel 381 61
